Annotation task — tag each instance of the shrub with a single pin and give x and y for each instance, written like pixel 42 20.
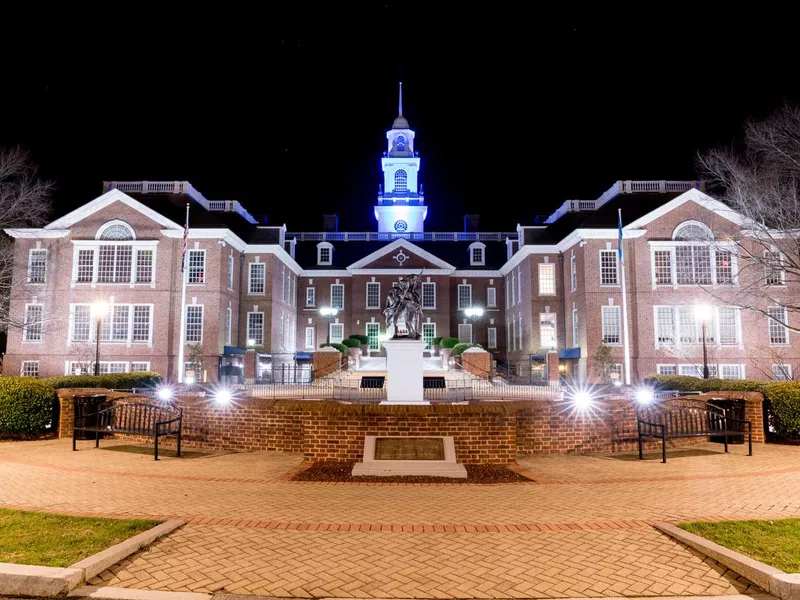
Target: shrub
pixel 684 383
pixel 351 343
pixel 362 339
pixel 119 381
pixel 458 349
pixel 26 405
pixel 437 341
pixel 340 347
pixel 784 398
pixel 448 342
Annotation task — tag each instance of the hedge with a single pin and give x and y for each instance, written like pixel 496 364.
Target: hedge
pixel 437 341
pixel 340 347
pixel 362 339
pixel 783 396
pixel 119 381
pixel 458 349
pixel 351 343
pixel 448 342
pixel 26 405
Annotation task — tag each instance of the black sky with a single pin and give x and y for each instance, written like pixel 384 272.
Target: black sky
pixel 516 108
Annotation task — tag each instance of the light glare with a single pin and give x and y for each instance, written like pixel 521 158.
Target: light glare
pixel 165 393
pixel 223 397
pixel 644 396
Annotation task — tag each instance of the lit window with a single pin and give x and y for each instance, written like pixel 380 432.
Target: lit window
pixel 30 368
pixel 400 181
pixel 37 266
pixel 197 266
pixel 309 337
pixel 428 294
pixel 144 266
pixel 373 294
pixel 608 267
pixel 774 262
pixel 194 324
pixel 32 327
pixel 491 297
pixel 337 333
pixel 337 295
pixel 257 278
pixel 667 369
pixel 575 341
pixel 547 330
pixel 428 333
pixel 782 372
pixel 464 296
pixel 310 296
pixel 778 331
pixel 255 329
pixel 662 262
pixel 612 325
pixel 492 337
pixel 573 273
pixel 547 280
pixel 374 336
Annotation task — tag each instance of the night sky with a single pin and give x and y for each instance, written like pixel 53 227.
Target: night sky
pixel 287 110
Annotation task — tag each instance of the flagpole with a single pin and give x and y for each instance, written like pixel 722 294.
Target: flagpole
pixel 625 340
pixel 181 340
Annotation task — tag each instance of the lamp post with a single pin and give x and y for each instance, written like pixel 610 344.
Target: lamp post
pixel 703 312
pixel 99 310
pixel 328 313
pixel 473 313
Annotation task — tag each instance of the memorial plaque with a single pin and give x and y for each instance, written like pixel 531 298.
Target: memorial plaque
pixel 409 448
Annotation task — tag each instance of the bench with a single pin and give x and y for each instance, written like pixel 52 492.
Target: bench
pixel 130 418
pixel 685 418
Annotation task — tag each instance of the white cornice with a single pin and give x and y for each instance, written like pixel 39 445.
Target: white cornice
pixel 277 251
pixel 475 273
pixel 324 273
pixel 524 253
pixel 37 233
pixel 105 200
pixel 400 271
pixel 694 195
pixel 134 243
pixel 405 244
pixel 226 235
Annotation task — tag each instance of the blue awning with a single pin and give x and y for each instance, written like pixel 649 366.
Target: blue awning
pixel 232 351
pixel 303 355
pixel 569 353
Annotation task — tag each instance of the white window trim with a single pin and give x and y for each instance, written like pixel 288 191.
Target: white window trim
pixel 93 333
pixel 30 260
pixel 785 319
pixel 422 328
pixel 575 331
pixel 144 362
pixel 228 326
pixel 787 368
pixel 312 331
pixel 491 302
pixel 546 266
pixel 615 252
pixel 25 324
pixel 458 295
pixel 113 223
pixel 367 327
pixel 715 332
pixel 202 322
pixel 331 296
pixel 319 254
pixel 330 332
pixel 313 296
pixel 603 310
pixel 491 332
pixel 263 327
pixel 250 291
pixel 26 362
pixel 230 271
pixel 740 367
pixel 428 307
pixel 477 246
pixel 460 325
pixel 660 365
pixel 767 269
pixel 205 267
pixel 555 330
pixel 712 246
pixel 573 273
pixel 95 246
pixel 366 298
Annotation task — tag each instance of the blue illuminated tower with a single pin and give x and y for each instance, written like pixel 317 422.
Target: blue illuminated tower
pixel 401 206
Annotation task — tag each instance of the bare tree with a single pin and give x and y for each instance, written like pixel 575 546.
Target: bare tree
pixel 760 179
pixel 24 202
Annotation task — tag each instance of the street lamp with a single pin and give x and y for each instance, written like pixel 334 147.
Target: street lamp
pixel 473 313
pixel 328 313
pixel 99 310
pixel 703 312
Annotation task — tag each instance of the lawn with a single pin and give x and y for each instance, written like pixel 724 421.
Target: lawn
pixel 776 543
pixel 33 538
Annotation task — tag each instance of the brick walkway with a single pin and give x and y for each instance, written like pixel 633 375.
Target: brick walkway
pixel 583 530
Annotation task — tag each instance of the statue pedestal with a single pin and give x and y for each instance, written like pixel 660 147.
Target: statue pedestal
pixel 404 372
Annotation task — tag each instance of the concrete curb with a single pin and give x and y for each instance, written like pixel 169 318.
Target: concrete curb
pixel 32 580
pixel 116 593
pixel 97 563
pixel 785 586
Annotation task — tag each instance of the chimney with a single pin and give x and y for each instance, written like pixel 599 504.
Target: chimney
pixel 330 223
pixel 471 223
pixel 263 219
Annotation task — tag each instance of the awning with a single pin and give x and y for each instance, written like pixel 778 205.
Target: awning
pixel 303 356
pixel 232 351
pixel 566 353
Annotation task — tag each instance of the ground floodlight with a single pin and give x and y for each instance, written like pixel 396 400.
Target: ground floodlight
pixel 223 397
pixel 582 399
pixel 644 395
pixel 165 393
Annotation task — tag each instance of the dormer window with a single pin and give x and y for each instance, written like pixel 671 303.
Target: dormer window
pixel 477 254
pixel 324 254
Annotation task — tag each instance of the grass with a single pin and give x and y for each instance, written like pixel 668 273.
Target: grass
pixel 776 543
pixel 49 540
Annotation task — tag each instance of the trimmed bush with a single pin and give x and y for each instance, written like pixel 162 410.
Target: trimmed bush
pixel 351 343
pixel 684 383
pixel 448 342
pixel 437 341
pixel 26 405
pixel 340 347
pixel 458 349
pixel 784 399
pixel 362 339
pixel 118 381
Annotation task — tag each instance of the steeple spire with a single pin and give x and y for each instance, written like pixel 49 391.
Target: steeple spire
pixel 400 101
pixel 400 121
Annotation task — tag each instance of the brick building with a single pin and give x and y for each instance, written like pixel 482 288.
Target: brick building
pixel 550 286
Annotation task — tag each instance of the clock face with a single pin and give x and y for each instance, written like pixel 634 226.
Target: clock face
pixel 400 225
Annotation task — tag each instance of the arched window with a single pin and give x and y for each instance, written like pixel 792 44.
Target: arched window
pixel 115 230
pixel 400 181
pixel 693 231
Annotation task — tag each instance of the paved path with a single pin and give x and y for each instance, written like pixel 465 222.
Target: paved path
pixel 582 530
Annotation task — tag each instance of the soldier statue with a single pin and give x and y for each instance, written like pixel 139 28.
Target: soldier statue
pixel 403 305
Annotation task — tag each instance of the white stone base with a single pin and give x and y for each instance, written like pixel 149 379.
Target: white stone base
pixel 426 468
pixel 405 368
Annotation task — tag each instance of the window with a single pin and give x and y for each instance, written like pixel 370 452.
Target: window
pixel 615 372
pixel 465 333
pixel 687 326
pixel 197 266
pixel 116 231
pixel 778 331
pixel 508 292
pixel 124 323
pixel 477 255
pixel 612 325
pixel 693 264
pixel 337 295
pixel 511 332
pixel 519 283
pixel 491 297
pixel 140 366
pixel 37 266
pixel 324 253
pixel 693 231
pixel 547 330
pixel 513 290
pixel 464 296
pixel 144 266
pixel 114 264
pixel 257 278
pixel 573 273
pixel 309 337
pixel 400 181
pixel 374 336
pixel 107 367
pixel 724 264
pixel 255 329
pixel 428 333
pixel 728 327
pixel 547 280
pixel 85 266
pixel 337 333
pixel 609 274
pixel 662 263
pixel 667 369
pixel 30 368
pixel 282 332
pixel 373 294
pixel 665 325
pixel 730 372
pixel 283 285
pixel 228 326
pixel 519 324
pixel 230 272
pixel 114 327
pixel 194 324
pixel 779 372
pixel 141 323
pixel 32 327
pixel 310 296
pixel 575 336
pixel 774 262
pixel 428 294
pixel 491 337
pixel 697 370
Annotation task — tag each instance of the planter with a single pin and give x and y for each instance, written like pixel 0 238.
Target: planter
pixel 355 354
pixel 446 353
pixel 436 350
pixel 365 350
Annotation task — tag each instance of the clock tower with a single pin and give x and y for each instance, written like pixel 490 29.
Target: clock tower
pixel 401 205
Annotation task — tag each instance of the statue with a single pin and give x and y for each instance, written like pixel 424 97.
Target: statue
pixel 404 304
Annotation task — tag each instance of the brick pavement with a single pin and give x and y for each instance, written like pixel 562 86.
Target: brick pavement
pixel 582 531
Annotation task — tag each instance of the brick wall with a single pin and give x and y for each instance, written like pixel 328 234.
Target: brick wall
pixel 477 363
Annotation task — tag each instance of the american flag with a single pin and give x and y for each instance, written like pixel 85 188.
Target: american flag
pixel 185 239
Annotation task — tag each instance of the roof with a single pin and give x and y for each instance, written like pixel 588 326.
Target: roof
pixel 400 122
